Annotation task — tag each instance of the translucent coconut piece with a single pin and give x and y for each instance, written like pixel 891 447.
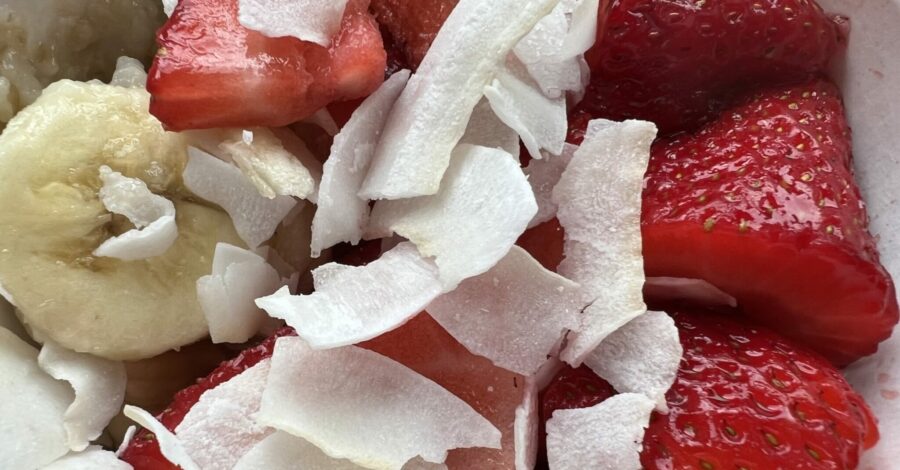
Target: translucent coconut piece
pixel 432 113
pixel 92 458
pixel 129 73
pixel 307 20
pixel 679 288
pixel 607 436
pixel 152 215
pixel 169 6
pixel 541 52
pixel 255 217
pixel 640 357
pixel 543 175
pixel 32 404
pixel 353 304
pixel 342 215
pixel 525 428
pixel 269 165
pixel 487 130
pixel 99 386
pixel 513 314
pixel 582 29
pixel 380 414
pixel 169 445
pixel 219 429
pixel 484 204
pixel 599 199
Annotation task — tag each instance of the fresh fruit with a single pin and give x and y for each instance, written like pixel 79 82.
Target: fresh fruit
pixel 412 24
pixel 743 398
pixel 763 204
pixel 210 71
pixel 676 63
pixel 52 220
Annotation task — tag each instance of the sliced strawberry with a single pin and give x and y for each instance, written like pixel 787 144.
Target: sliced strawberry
pixel 412 24
pixel 212 72
pixel 676 62
pixel 743 398
pixel 764 205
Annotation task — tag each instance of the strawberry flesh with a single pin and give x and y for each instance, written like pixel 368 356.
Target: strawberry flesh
pixel 412 24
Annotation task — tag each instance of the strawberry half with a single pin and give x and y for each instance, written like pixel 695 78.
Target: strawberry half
pixel 763 204
pixel 210 71
pixel 676 62
pixel 744 398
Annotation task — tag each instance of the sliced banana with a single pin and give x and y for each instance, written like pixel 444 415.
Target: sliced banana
pixel 52 220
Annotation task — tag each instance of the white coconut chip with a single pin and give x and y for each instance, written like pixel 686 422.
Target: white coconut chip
pixel 129 73
pixel 307 20
pixel 582 28
pixel 599 199
pixel 126 439
pixel 227 296
pixel 99 386
pixel 487 130
pixel 607 436
pixel 342 215
pixel 92 458
pixel 169 445
pixel 525 428
pixel 513 314
pixel 641 357
pixel 679 288
pixel 152 215
pixel 32 405
pixel 220 428
pixel 517 100
pixel 541 52
pixel 353 304
pixel 484 205
pixel 432 113
pixel 543 175
pixel 269 165
pixel 358 405
pixel 255 217
pixel 169 6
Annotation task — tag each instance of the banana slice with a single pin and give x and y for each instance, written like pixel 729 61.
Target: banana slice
pixel 52 220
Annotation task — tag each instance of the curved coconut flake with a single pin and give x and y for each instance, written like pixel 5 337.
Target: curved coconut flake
pixel 513 314
pixel 599 199
pixel 129 73
pixel 607 436
pixel 433 111
pixel 269 165
pixel 92 458
pixel 526 428
pixel 353 304
pixel 582 29
pixel 99 386
pixel 169 445
pixel 219 429
pixel 126 439
pixel 487 130
pixel 484 205
pixel 342 215
pixel 307 20
pixel 680 288
pixel 227 296
pixel 152 215
pixel 169 6
pixel 641 357
pixel 541 53
pixel 359 405
pixel 32 404
pixel 517 100
pixel 543 175
pixel 255 217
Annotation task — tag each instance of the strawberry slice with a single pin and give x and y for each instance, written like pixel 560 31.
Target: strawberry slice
pixel 412 24
pixel 212 72
pixel 743 398
pixel 763 204
pixel 676 62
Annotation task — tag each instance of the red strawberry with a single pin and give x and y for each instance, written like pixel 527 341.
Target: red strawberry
pixel 676 62
pixel 212 72
pixel 743 398
pixel 763 204
pixel 412 24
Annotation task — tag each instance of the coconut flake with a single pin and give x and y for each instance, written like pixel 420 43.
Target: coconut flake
pixel 540 121
pixel 599 199
pixel 431 114
pixel 487 130
pixel 353 304
pixel 126 439
pixel 484 204
pixel 342 215
pixel 255 217
pixel 93 458
pixel 641 357
pixel 99 386
pixel 227 296
pixel 541 53
pixel 269 165
pixel 543 175
pixel 379 413
pixel 152 215
pixel 219 429
pixel 169 6
pixel 679 288
pixel 129 73
pixel 513 314
pixel 307 20
pixel 525 428
pixel 169 445
pixel 582 29
pixel 32 404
